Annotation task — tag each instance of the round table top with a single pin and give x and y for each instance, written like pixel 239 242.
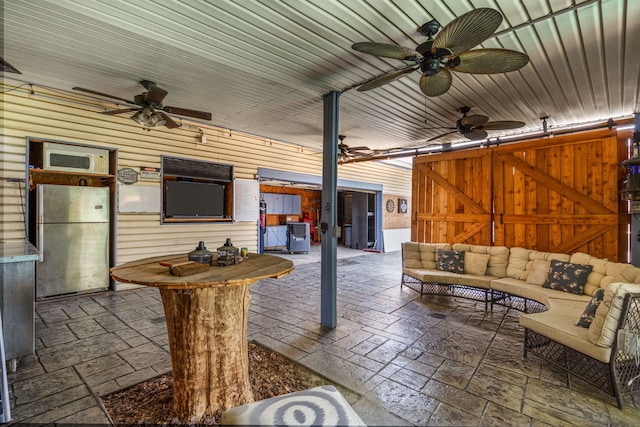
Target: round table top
pixel 149 272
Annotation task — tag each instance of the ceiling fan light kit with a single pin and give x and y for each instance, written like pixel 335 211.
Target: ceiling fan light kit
pixel 149 111
pixel 448 51
pixel 148 118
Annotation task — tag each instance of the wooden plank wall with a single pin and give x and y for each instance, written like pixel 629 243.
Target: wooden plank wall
pixel 452 197
pixel 557 194
pixel 64 116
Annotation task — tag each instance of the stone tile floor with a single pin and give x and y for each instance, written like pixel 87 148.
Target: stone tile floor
pixel 401 360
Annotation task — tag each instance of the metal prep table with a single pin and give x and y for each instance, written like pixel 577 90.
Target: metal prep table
pixel 17 287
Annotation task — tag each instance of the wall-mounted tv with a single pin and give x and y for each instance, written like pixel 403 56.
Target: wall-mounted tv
pixel 190 199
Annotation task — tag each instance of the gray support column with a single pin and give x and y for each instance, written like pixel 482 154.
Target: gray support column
pixel 328 216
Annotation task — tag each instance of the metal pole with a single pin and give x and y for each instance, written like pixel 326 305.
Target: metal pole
pixel 328 215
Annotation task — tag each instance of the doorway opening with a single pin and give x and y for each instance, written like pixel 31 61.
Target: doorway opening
pixel 357 219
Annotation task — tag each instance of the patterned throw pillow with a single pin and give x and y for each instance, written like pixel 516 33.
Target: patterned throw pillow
pixel 567 277
pixel 452 261
pixel 587 316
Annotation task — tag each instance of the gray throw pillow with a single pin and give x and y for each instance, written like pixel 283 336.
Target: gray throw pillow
pixel 452 261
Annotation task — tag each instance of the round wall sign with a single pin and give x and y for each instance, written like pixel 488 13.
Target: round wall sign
pixel 391 206
pixel 127 176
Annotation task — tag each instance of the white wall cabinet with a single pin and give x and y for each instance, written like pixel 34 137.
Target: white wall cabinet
pixel 283 204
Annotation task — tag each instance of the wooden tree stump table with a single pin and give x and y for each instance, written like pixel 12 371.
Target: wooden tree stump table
pixel 207 327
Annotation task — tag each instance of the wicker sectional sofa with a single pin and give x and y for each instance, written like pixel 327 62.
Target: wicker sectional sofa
pixel 604 351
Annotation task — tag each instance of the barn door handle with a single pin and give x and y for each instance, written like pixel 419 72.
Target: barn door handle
pixel 501 222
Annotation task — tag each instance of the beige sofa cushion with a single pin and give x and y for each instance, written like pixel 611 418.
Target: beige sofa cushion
pixel 475 263
pixel 521 261
pixel 536 292
pixel 449 278
pixel 539 272
pixel 421 255
pixel 604 327
pixel 498 257
pixel 559 324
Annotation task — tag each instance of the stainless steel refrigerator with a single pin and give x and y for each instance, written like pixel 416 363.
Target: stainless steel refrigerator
pixel 73 238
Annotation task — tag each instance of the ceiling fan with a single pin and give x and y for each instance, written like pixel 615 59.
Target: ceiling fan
pixel 346 153
pixel 475 127
pixel 448 51
pixel 149 110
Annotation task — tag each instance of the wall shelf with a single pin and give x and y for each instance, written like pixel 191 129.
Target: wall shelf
pixel 41 176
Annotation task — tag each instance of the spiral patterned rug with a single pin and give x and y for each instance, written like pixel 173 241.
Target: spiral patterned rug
pixel 319 406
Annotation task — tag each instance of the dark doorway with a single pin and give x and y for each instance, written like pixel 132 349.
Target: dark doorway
pixel 357 219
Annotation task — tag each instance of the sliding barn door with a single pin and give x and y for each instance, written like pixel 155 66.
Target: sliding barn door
pixel 452 197
pixel 558 195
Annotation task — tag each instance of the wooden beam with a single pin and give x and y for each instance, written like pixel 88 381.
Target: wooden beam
pixel 554 184
pixel 469 232
pixel 450 188
pixel 582 239
pixel 556 219
pixel 454 217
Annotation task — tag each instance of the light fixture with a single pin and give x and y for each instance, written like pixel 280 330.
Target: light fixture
pixel 148 118
pixel 157 119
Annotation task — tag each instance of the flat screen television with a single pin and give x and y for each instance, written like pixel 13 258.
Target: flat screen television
pixel 188 199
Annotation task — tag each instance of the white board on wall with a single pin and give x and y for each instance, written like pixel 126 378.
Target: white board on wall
pixel 394 238
pixel 138 198
pixel 246 200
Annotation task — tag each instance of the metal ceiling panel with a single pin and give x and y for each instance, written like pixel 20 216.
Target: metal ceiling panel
pixel 262 66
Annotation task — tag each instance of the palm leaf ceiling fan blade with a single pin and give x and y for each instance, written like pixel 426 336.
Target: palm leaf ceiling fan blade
pixel 474 120
pixel 468 30
pixel 436 84
pixel 502 125
pixel 387 50
pixel 476 134
pixel 491 61
pixel 387 78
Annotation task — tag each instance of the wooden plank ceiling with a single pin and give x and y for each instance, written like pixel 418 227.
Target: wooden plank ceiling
pixel 262 66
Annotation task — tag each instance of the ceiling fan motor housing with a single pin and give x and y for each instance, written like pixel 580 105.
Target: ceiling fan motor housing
pixel 429 29
pixel 430 66
pixel 463 129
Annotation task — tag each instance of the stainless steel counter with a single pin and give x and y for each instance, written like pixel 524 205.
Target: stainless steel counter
pixel 18 252
pixel 17 298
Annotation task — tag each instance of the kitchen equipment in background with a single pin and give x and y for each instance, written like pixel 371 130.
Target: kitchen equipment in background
pixel 298 237
pixel 73 238
pixel 17 299
pixel 73 158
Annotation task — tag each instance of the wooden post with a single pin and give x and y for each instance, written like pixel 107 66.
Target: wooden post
pixel 207 330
